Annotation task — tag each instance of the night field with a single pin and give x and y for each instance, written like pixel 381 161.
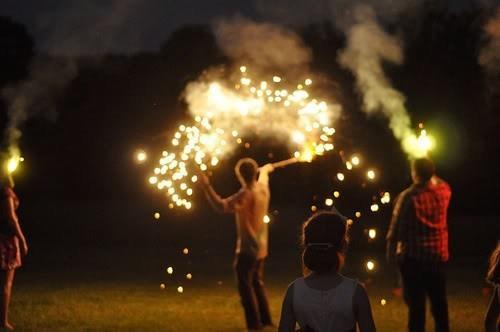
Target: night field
pixel 115 286
pixel 66 299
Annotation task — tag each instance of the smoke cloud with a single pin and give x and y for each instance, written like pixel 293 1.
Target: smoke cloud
pixel 261 44
pixel 368 46
pixel 35 96
pixel 489 56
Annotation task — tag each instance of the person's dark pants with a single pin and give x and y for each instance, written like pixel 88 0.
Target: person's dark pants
pixel 250 277
pixel 419 280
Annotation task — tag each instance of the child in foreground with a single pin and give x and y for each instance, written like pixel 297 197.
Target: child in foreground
pixel 324 300
pixel 491 323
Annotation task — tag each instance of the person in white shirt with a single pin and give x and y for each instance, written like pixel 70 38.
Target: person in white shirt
pixel 324 300
pixel 250 206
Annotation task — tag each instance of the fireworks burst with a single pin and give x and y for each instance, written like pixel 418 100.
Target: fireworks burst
pixel 224 115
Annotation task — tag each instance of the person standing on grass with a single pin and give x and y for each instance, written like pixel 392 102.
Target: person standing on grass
pixel 12 245
pixel 491 322
pixel 250 206
pixel 324 300
pixel 417 241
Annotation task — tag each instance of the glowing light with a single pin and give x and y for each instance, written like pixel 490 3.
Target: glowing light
pixel 180 289
pixel 349 222
pixel 386 198
pixel 328 202
pixel 162 286
pixel 340 176
pixel 383 302
pixel 336 194
pixel 314 208
pixel 358 214
pixel 372 233
pixel 348 165
pixel 374 207
pixel 189 276
pixel 370 265
pixel 141 156
pixel 266 219
pixel 157 215
pixel 170 270
pixel 298 137
pixel 355 160
pixel 185 251
pixel 419 146
pixel 225 109
pixel 370 174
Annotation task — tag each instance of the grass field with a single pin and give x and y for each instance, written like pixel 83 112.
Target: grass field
pixel 112 297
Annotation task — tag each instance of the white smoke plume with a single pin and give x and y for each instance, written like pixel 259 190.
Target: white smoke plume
pixel 70 31
pixel 261 44
pixel 489 56
pixel 368 46
pixel 35 96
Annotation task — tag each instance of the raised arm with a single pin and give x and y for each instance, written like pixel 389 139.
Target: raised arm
pixel 14 223
pixel 264 173
pixel 363 310
pixel 215 200
pixel 287 319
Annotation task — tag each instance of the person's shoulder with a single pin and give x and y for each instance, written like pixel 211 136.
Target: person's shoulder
pixel 351 281
pixel 408 192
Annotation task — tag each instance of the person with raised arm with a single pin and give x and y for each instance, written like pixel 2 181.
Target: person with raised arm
pixel 250 206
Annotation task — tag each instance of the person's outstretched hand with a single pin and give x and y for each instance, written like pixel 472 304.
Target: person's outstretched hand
pixel 204 181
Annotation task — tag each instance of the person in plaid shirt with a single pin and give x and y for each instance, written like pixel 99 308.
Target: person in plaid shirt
pixel 417 241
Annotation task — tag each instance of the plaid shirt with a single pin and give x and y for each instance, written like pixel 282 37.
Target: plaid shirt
pixel 419 228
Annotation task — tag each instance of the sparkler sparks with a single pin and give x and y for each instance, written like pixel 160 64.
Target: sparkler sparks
pixel 141 156
pixel 224 113
pixel 13 162
pixel 419 146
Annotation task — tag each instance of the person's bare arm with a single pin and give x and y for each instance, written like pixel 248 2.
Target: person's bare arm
pixel 215 200
pixel 287 319
pixel 264 173
pixel 363 310
pixel 14 223
pixel 491 318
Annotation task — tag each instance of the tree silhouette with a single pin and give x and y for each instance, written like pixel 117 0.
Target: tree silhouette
pixel 16 51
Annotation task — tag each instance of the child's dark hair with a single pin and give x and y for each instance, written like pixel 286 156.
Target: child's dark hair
pixel 324 240
pixel 493 275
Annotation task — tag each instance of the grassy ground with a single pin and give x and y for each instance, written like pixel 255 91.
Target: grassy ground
pixel 71 299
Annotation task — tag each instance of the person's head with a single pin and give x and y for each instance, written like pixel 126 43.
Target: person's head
pixel 246 170
pixel 422 170
pixel 493 275
pixel 324 239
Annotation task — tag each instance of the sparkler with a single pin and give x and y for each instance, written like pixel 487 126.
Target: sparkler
pixel 13 162
pixel 223 115
pixel 419 146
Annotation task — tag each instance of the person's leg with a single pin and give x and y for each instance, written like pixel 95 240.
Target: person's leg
pixel 436 289
pixel 245 267
pixel 6 281
pixel 414 295
pixel 260 293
